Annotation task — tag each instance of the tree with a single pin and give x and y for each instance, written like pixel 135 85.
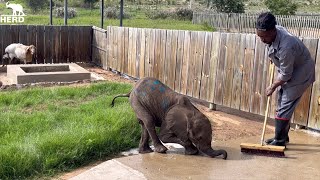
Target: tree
pixel 281 7
pixel 36 5
pixel 90 2
pixel 228 6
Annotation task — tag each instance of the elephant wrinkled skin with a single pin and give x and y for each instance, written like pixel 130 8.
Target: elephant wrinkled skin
pixel 156 105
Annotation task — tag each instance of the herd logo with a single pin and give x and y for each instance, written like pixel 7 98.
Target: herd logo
pixel 17 14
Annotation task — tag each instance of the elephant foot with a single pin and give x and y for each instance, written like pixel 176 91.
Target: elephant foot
pixel 145 150
pixel 160 149
pixel 191 151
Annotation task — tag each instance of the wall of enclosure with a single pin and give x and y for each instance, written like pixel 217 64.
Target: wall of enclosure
pixel 302 25
pixel 54 44
pixel 229 69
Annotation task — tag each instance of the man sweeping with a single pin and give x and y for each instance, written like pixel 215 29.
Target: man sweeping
pixel 296 72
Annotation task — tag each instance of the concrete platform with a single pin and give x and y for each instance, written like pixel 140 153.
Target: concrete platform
pixel 302 161
pixel 34 73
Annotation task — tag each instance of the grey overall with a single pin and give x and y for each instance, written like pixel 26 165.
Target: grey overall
pixel 295 66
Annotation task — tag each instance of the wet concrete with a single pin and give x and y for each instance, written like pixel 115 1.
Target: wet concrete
pixel 301 161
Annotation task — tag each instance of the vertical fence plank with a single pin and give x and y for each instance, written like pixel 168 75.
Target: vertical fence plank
pixel 301 113
pixel 147 53
pixel 40 44
pixel 72 40
pixel 198 60
pixel 138 52
pixel 191 67
pixel 179 64
pixel 64 44
pixel 48 43
pixel 168 59
pixel 205 75
pixel 185 63
pixel 219 81
pixel 142 53
pixel 23 34
pixel 158 61
pixel 173 60
pixel 247 72
pixel 32 39
pixel 163 52
pixel 257 78
pixel 238 71
pixel 213 65
pixel 314 117
pixel 56 44
pixel 126 49
pixel 232 40
pixel 87 41
pixel 152 57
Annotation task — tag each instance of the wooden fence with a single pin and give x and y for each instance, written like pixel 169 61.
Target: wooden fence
pixel 227 69
pixel 54 44
pixel 303 26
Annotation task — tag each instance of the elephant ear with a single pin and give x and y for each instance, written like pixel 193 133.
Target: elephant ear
pixel 177 120
pixel 184 101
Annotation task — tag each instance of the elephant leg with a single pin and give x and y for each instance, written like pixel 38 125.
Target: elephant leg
pixel 149 124
pixel 167 136
pixel 144 141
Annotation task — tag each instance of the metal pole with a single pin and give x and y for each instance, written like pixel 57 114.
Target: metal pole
pixel 50 12
pixel 102 12
pixel 121 12
pixel 65 12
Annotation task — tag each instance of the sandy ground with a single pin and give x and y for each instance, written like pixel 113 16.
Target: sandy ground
pixel 225 126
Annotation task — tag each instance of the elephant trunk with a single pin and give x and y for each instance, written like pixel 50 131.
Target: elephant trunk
pixel 213 153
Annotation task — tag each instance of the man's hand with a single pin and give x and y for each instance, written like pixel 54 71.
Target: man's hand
pixel 270 90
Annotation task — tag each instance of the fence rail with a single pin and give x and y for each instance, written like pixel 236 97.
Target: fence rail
pixel 299 25
pixel 54 44
pixel 228 69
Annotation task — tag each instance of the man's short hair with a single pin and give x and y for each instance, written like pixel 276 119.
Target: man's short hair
pixel 266 21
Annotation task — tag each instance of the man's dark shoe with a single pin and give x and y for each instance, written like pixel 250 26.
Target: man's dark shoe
pixel 268 141
pixel 281 133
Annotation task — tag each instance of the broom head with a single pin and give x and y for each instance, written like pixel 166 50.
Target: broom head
pixel 267 150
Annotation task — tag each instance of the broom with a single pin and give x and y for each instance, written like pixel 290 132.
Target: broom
pixel 261 148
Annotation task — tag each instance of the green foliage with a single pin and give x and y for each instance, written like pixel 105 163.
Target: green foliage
pixel 36 5
pixel 184 14
pixel 47 130
pixel 229 6
pixel 159 14
pixel 59 12
pixel 114 13
pixel 281 7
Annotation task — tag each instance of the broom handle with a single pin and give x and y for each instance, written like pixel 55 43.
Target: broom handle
pixel 267 108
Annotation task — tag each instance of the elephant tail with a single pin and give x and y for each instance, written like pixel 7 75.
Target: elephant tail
pixel 120 95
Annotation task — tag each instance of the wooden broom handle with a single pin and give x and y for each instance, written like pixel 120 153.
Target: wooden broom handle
pixel 267 108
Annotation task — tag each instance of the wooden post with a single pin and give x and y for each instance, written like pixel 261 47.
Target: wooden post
pixel 50 12
pixel 102 12
pixel 121 12
pixel 212 106
pixel 65 12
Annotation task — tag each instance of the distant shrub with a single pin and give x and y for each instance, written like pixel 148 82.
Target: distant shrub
pixel 114 13
pixel 59 12
pixel 160 14
pixel 184 14
pixel 36 5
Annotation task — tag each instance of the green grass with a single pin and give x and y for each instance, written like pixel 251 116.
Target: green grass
pixel 47 130
pixel 93 18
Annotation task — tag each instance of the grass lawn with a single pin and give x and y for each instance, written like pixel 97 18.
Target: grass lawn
pixel 93 18
pixel 48 130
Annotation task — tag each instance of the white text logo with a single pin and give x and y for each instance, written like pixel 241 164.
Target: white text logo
pixel 17 14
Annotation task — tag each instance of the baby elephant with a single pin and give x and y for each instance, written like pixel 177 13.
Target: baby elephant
pixel 156 105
